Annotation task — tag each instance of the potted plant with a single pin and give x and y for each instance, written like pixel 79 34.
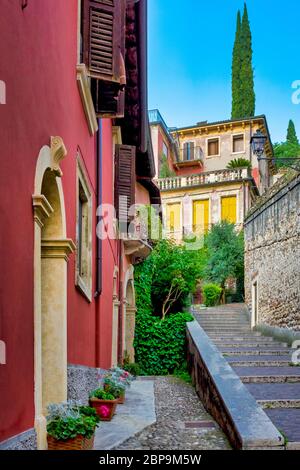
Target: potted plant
pixel 71 426
pixel 116 380
pixel 116 388
pixel 104 402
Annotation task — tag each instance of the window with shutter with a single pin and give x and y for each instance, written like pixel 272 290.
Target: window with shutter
pixel 188 151
pixel 201 216
pixel 213 147
pixel 125 177
pixel 104 38
pixel 229 209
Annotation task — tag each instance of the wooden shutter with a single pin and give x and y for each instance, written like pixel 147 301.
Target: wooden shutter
pixel 125 177
pixel 108 99
pixel 174 217
pixel 104 38
pixel 200 216
pixel 228 209
pixel 192 150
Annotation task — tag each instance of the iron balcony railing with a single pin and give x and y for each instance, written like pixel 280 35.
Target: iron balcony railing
pixel 211 177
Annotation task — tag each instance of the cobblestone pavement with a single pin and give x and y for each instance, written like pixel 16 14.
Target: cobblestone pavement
pixel 182 422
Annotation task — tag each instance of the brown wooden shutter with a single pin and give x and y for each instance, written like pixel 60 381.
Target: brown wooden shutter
pixel 125 177
pixel 104 38
pixel 192 150
pixel 108 98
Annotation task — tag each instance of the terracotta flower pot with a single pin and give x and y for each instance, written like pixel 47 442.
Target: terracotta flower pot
pixel 121 399
pixel 78 443
pixel 105 408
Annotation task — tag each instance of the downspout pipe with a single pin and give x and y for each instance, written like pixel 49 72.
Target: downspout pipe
pixel 99 203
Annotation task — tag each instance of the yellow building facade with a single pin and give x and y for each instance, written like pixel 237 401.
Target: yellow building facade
pixel 201 189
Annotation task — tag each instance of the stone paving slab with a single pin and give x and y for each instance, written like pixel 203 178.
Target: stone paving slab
pixel 274 391
pixel 137 413
pixel 182 422
pixel 288 421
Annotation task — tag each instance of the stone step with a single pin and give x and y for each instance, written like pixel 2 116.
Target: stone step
pixel 233 334
pixel 271 404
pixel 224 325
pixel 256 361
pixel 249 344
pixel 256 351
pixel 288 422
pixel 268 374
pixel 275 391
pixel 229 330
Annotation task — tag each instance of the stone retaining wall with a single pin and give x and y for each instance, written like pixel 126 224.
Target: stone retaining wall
pixel 272 256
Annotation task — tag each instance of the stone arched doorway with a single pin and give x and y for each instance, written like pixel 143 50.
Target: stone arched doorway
pixel 129 313
pixel 51 250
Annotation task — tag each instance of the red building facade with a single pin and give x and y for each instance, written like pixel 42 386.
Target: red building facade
pixel 67 297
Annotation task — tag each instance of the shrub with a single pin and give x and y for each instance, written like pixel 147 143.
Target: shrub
pixel 212 294
pixel 133 368
pixel 160 344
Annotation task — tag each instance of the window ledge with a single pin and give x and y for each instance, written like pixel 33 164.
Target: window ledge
pixel 83 288
pixel 86 98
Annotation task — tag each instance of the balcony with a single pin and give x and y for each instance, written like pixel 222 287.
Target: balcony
pixel 207 178
pixel 136 242
pixel 192 156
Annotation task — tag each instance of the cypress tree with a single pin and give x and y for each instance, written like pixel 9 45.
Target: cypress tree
pixel 243 95
pixel 247 76
pixel 236 70
pixel 291 134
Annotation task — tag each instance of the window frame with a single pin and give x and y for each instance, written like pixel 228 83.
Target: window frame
pixel 232 143
pixel 194 148
pixel 208 139
pixel 84 282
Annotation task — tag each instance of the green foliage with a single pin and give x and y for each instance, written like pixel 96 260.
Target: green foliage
pixel 236 67
pixel 212 294
pixel 225 250
pixel 182 373
pixel 243 95
pixel 177 270
pixel 133 368
pixel 102 394
pixel 288 149
pixel 291 134
pixel 239 163
pixel 66 421
pixel 165 171
pixel 160 344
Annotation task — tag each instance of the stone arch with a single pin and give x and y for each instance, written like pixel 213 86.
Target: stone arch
pixel 51 250
pixel 129 313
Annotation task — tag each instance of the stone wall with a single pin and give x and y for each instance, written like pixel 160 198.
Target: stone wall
pixel 81 381
pixel 272 255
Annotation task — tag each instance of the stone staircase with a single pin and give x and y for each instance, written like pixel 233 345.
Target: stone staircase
pixel 262 363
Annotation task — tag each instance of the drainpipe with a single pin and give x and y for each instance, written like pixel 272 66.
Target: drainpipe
pixel 98 246
pixel 121 306
pixel 99 203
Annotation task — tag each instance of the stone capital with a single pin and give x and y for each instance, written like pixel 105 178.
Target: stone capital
pixel 58 248
pixel 42 209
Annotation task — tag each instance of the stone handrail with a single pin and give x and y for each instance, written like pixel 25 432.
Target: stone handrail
pixel 226 398
pixel 211 177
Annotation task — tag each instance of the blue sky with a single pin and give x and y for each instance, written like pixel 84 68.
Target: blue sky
pixel 190 51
